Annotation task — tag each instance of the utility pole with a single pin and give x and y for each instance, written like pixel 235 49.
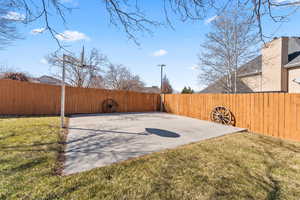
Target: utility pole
pixel 161 85
pixel 63 88
pixel 82 64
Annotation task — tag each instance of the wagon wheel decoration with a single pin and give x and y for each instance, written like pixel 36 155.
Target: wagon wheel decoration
pixel 222 115
pixel 109 106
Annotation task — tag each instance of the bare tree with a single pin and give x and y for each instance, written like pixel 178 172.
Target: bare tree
pixel 17 76
pixel 132 17
pixel 166 86
pixel 7 72
pixel 8 31
pixel 97 82
pixel 80 71
pixel 230 44
pixel 262 9
pixel 129 15
pixel 5 69
pixel 119 77
pixel 14 12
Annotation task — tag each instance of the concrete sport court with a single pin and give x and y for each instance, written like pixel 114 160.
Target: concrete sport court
pixel 97 140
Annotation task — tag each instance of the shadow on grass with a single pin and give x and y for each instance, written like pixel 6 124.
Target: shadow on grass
pixel 30 147
pixel 27 165
pixel 40 146
pixel 7 136
pixel 26 116
pixel 272 162
pixel 266 181
pixel 275 142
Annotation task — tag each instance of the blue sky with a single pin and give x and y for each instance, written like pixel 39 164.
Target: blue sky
pixel 177 48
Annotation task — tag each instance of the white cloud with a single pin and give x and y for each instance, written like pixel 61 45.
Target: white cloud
pixel 14 16
pixel 285 3
pixel 37 31
pixel 211 19
pixel 44 61
pixel 194 67
pixel 71 36
pixel 160 52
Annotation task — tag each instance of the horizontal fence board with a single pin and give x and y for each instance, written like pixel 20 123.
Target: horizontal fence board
pixel 24 98
pixel 274 114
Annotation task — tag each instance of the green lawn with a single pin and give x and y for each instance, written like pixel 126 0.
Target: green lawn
pixel 237 166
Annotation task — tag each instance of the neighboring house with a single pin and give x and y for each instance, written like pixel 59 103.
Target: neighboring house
pixel 277 69
pixel 43 79
pixel 46 80
pixel 153 89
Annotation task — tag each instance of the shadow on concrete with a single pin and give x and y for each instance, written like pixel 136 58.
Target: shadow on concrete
pixel 99 131
pixel 162 133
pixel 126 115
pixel 109 114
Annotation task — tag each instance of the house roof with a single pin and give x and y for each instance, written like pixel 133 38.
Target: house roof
pixel 153 89
pixel 49 80
pixel 217 87
pixel 46 80
pixel 294 63
pixel 294 52
pixel 254 66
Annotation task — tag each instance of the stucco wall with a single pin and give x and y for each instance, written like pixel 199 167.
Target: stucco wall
pixel 274 56
pixel 293 74
pixel 253 82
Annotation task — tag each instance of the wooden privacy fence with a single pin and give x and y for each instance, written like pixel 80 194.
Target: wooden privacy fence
pixel 23 98
pixel 274 114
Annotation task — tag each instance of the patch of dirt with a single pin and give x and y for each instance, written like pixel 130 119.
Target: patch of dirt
pixel 61 158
